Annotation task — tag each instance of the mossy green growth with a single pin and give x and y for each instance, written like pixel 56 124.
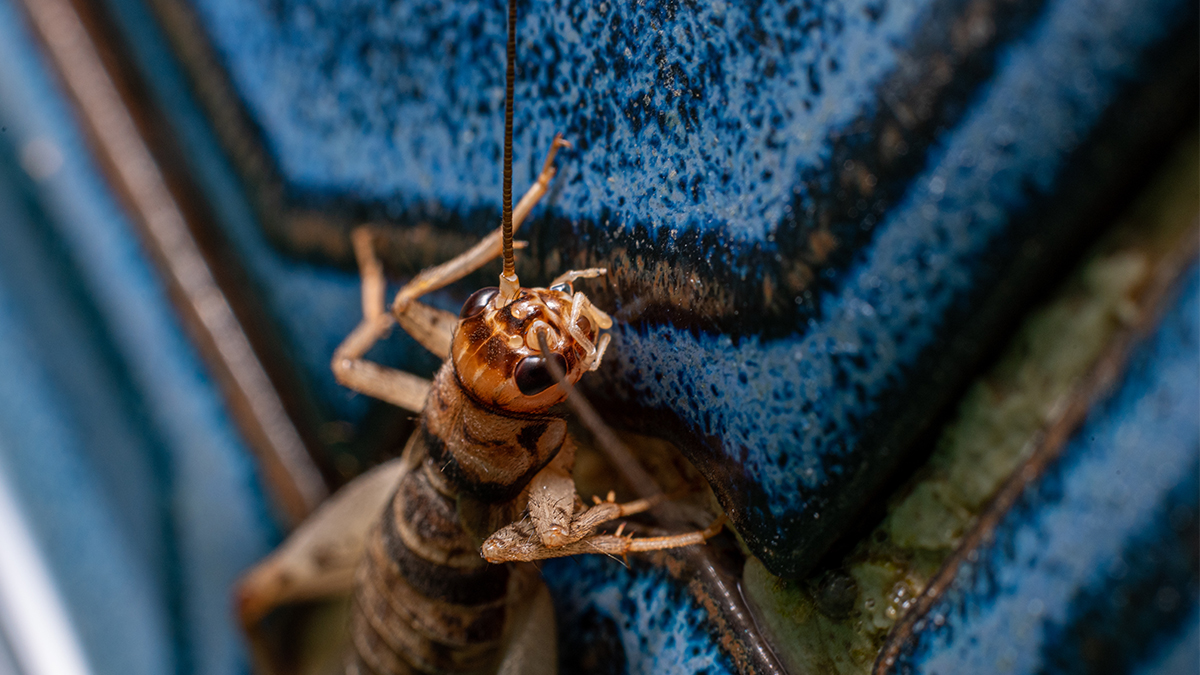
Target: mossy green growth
pixel 838 622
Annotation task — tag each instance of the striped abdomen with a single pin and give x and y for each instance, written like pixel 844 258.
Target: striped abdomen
pixel 425 600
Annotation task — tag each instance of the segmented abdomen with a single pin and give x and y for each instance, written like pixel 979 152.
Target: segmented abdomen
pixel 425 601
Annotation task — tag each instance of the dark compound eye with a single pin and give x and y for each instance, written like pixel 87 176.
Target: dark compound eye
pixel 478 300
pixel 533 376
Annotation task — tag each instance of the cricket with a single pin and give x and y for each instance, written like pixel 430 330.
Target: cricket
pixel 436 547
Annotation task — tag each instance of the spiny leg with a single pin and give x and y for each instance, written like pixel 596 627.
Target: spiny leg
pixel 529 549
pixel 552 499
pixel 557 517
pixel 634 545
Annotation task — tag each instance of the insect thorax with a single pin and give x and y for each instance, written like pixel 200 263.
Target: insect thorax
pixel 482 451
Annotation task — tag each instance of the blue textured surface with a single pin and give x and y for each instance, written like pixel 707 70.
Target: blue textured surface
pixel 140 494
pixel 629 618
pixel 688 123
pixel 404 101
pixel 710 144
pixel 792 412
pixel 1096 568
pixel 1179 657
pixel 316 307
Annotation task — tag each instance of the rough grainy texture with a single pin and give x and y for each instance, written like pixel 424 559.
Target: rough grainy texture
pixel 1095 568
pixel 997 427
pixel 743 169
pixel 820 212
pixel 632 619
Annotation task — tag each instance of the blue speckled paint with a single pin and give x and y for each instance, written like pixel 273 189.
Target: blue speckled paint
pixel 686 120
pixel 139 492
pixel 629 617
pixel 792 412
pixel 405 101
pixel 719 126
pixel 1097 565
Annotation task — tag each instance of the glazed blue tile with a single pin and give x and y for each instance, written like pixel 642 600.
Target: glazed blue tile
pixel 358 98
pixel 315 306
pixel 630 618
pixel 138 489
pixel 800 416
pixel 1096 568
pixel 711 140
pixel 792 406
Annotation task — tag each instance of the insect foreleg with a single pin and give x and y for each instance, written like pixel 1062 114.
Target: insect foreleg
pixel 513 543
pixel 552 499
pixel 557 519
pixel 557 514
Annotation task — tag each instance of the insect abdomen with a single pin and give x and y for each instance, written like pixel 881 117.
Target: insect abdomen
pixel 425 600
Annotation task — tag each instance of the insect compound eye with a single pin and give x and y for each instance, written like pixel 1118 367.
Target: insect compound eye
pixel 533 376
pixel 478 301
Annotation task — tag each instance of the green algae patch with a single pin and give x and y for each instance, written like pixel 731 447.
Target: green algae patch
pixel 837 622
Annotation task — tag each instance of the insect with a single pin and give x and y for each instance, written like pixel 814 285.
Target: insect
pixel 490 462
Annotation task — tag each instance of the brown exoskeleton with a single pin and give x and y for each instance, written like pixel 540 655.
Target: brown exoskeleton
pixel 490 462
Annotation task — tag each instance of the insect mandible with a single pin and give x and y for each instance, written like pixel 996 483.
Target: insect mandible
pixel 490 462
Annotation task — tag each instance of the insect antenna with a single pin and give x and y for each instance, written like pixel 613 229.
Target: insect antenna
pixel 509 284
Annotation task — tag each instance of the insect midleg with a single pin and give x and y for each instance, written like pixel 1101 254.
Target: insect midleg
pixel 367 377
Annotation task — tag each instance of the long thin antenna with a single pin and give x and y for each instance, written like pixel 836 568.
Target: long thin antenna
pixel 508 278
